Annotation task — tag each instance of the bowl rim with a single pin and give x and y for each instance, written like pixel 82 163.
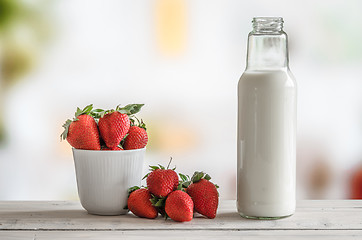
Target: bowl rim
pixel 110 151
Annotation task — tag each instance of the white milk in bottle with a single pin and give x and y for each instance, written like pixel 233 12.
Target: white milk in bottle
pixel 266 147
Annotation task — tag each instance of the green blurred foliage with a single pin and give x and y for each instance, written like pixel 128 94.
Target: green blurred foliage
pixel 24 29
pixel 8 10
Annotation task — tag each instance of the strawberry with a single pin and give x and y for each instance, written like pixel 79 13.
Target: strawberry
pixel 204 194
pixel 113 127
pixel 179 206
pixel 82 131
pixel 140 205
pixel 114 124
pixel 161 181
pixel 136 138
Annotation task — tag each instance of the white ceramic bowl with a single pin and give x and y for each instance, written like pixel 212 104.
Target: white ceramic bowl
pixel 103 178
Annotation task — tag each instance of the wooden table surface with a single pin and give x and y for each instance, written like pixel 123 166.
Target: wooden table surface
pixel 314 219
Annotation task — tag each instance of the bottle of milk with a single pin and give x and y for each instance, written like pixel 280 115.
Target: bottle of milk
pixel 266 151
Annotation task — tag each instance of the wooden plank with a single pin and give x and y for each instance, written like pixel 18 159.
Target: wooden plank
pixel 16 235
pixel 329 203
pixel 180 234
pixel 310 215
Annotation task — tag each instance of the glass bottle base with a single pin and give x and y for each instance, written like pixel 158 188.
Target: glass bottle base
pixel 264 218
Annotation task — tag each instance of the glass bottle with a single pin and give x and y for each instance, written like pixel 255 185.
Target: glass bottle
pixel 266 142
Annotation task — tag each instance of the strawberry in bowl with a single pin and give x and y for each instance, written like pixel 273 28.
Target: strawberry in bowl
pixel 108 150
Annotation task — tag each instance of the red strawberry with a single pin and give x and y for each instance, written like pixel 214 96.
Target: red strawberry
pixel 179 206
pixel 113 127
pixel 137 138
pixel 205 197
pixel 140 205
pixel 82 131
pixel 161 181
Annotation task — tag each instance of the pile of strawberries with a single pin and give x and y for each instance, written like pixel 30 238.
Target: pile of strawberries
pixel 98 129
pixel 174 198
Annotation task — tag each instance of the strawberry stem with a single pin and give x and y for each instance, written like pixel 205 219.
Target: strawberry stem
pixel 169 162
pixel 153 168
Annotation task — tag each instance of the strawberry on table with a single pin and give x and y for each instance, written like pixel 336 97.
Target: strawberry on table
pixel 179 206
pixel 197 194
pixel 82 131
pixel 161 181
pixel 140 205
pixel 204 194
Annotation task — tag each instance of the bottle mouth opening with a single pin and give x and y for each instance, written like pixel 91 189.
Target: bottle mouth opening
pixel 267 24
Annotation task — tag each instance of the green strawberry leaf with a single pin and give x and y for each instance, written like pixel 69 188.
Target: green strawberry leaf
pixel 129 109
pixel 152 168
pixel 78 112
pixel 132 189
pixel 160 202
pixel 183 177
pixel 200 175
pixel 179 187
pixel 66 125
pixel 207 177
pixel 133 108
pixel 86 110
pixel 146 176
pixel 153 200
pixel 122 141
pixel 124 111
pixel 97 113
pixel 184 182
pixel 132 121
pixel 197 176
pixel 140 124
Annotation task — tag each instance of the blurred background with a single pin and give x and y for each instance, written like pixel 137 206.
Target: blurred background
pixel 183 59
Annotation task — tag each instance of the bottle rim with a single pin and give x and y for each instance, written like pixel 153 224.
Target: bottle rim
pixel 267 24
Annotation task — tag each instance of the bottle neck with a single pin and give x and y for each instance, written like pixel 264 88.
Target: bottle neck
pixel 267 45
